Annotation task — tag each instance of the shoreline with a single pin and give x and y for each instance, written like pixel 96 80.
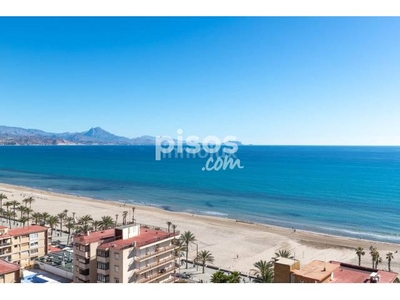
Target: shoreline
pixel 235 244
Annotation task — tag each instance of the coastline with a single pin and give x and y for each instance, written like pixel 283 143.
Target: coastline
pixel 235 244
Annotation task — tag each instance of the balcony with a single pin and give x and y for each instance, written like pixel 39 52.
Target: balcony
pixel 83 277
pixel 81 253
pixel 154 265
pixel 3 245
pixel 156 276
pixel 5 253
pixel 160 251
pixel 103 259
pixel 103 272
pixel 83 265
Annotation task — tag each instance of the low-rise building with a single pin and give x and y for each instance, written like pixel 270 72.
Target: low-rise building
pixel 132 253
pixel 9 273
pixel 289 271
pixel 23 245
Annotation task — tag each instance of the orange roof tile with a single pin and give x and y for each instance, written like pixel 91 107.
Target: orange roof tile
pixel 26 230
pixel 6 267
pixel 94 236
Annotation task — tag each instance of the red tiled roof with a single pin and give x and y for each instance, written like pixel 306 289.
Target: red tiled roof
pixel 26 230
pixel 348 273
pixel 146 236
pixel 6 267
pixel 54 249
pixel 95 236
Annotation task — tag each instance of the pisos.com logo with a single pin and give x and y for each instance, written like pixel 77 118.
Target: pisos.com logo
pixel 220 154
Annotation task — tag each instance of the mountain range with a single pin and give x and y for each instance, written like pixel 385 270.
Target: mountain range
pixel 94 136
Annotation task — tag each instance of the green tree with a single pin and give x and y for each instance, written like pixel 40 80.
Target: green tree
pixel 96 224
pixel 53 222
pixel 187 237
pixel 2 197
pixel 37 216
pixel 234 277
pixel 69 226
pixel 29 201
pixel 264 271
pixel 45 217
pixel 106 222
pixel 84 220
pixel 61 218
pixel 389 257
pixel 360 252
pixel 284 253
pixel 124 215
pixel 169 223
pixel 23 220
pixel 219 277
pixel 204 257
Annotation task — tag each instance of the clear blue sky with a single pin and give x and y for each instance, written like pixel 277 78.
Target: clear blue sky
pixel 265 80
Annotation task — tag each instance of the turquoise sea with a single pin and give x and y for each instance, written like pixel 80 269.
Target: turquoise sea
pixel 347 191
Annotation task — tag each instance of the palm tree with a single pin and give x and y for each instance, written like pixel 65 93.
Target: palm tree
pixel 284 253
pixel 15 203
pixel 61 217
pixel 28 211
pixel 169 223
pixel 37 216
pixel 219 277
pixel 116 220
pixel 124 215
pixel 29 200
pixel 375 257
pixel 23 220
pixel 187 237
pixel 9 215
pixel 45 217
pixel 133 214
pixel 360 252
pixel 8 204
pixel 84 220
pixel 69 225
pixel 204 257
pixel 263 271
pixel 53 222
pixel 106 222
pixel 21 209
pixel 2 197
pixel 174 229
pixel 96 224
pixel 389 257
pixel 234 277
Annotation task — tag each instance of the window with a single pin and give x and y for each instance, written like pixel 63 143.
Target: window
pixel 34 244
pixel 82 260
pixel 102 253
pixel 84 248
pixel 116 280
pixel 103 266
pixel 33 236
pixel 116 268
pixel 33 251
pixel 103 278
pixel 116 255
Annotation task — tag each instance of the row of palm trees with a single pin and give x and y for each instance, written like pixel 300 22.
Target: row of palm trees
pixel 23 214
pixel 375 256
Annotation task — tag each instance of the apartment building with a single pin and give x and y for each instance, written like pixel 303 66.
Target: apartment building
pixel 23 245
pixel 132 253
pixel 9 273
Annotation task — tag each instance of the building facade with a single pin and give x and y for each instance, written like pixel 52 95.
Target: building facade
pixel 9 273
pixel 23 245
pixel 127 254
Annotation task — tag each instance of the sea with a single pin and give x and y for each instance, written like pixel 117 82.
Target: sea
pixel 345 191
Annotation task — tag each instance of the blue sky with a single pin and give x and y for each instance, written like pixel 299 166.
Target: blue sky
pixel 266 80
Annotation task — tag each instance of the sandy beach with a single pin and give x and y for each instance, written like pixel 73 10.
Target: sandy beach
pixel 235 244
